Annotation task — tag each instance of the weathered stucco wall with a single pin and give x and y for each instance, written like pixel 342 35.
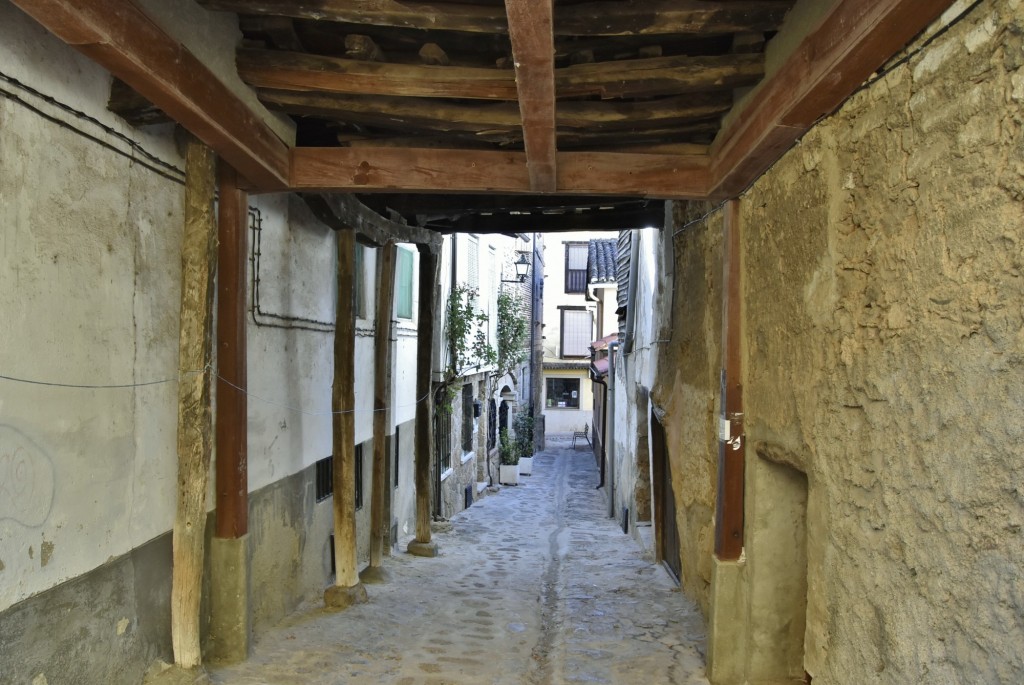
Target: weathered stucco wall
pixel 688 388
pixel 885 339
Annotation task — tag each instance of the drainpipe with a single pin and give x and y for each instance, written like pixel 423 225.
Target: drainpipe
pixel 604 424
pixel 610 449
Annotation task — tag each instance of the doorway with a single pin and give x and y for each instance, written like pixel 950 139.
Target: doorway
pixel 666 527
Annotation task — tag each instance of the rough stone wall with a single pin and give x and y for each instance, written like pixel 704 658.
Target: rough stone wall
pixel 688 388
pixel 884 344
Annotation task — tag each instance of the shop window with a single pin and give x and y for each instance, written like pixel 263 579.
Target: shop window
pixel 563 393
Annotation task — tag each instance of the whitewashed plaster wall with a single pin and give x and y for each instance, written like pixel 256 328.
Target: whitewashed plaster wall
pixel 89 264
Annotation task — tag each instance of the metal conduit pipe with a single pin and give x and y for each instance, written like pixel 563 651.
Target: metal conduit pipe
pixel 610 449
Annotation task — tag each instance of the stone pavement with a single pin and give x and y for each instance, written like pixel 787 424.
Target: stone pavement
pixel 534 585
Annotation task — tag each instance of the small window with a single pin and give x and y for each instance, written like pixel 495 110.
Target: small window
pixel 577 332
pixel 563 393
pixel 324 478
pixel 467 417
pixel 359 476
pixel 403 268
pixel 443 436
pixel 576 267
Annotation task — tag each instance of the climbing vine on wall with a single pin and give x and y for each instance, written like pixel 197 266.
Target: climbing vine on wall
pixel 512 331
pixel 466 332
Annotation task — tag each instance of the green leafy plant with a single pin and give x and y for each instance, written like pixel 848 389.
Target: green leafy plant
pixel 508 449
pixel 466 331
pixel 523 426
pixel 512 331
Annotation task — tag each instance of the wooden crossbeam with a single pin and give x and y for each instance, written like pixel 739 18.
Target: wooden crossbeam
pixel 847 46
pixel 120 37
pixel 593 220
pixel 396 169
pixel 586 19
pixel 533 51
pixel 653 77
pixel 659 76
pixel 491 120
pixel 344 212
pixel 305 72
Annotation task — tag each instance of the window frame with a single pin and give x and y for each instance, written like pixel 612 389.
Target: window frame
pixel 576 279
pixel 561 332
pixel 404 290
pixel 564 380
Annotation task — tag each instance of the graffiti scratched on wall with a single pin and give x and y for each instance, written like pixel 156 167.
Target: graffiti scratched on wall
pixel 26 479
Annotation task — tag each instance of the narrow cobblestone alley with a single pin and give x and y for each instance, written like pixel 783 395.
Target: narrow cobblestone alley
pixel 534 585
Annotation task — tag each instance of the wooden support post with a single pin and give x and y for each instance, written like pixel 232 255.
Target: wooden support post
pixel 232 407
pixel 195 351
pixel 380 516
pixel 230 616
pixel 429 293
pixel 732 441
pixel 347 589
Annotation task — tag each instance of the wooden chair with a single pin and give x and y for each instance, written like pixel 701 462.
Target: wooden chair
pixel 582 434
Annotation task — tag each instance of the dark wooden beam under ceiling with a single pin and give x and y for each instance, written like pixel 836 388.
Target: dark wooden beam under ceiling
pixel 657 17
pixel 612 219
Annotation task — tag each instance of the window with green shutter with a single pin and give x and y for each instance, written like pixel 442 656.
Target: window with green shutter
pixel 404 274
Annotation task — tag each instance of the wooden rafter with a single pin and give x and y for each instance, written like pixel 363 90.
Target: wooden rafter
pixel 533 50
pixel 585 19
pixel 396 169
pixel 119 36
pixel 343 212
pixel 438 116
pixel 593 220
pixel 848 45
pixel 304 72
pixel 657 76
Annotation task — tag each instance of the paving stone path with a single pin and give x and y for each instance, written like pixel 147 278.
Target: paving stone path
pixel 534 585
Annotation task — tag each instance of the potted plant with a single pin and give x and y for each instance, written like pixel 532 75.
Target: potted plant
pixel 508 453
pixel 523 426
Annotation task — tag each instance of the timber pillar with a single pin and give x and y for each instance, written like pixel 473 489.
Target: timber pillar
pixel 230 591
pixel 380 512
pixel 347 588
pixel 429 290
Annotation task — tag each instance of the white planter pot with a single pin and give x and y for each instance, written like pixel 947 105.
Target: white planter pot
pixel 508 475
pixel 525 466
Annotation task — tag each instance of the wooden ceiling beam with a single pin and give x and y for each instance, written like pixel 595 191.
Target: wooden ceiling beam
pixel 344 212
pixel 304 72
pixel 852 40
pixel 533 52
pixel 652 77
pixel 120 37
pixel 425 170
pixel 664 17
pixel 454 205
pixel 593 220
pixel 441 116
pixel 659 76
pixel 659 17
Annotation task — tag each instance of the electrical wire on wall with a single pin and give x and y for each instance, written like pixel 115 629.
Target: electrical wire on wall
pixel 259 315
pixel 135 151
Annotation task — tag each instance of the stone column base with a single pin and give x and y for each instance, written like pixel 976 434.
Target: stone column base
pixel 423 549
pixel 727 624
pixel 336 597
pixel 374 575
pixel 230 615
